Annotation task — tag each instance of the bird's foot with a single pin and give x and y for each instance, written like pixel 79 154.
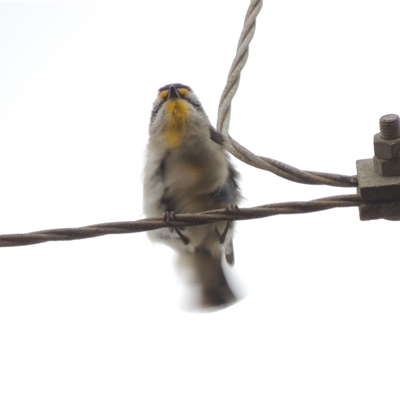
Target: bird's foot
pixel 170 216
pixel 234 209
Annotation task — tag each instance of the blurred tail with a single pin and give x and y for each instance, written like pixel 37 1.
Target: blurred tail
pixel 208 286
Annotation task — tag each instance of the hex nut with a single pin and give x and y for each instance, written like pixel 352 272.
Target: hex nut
pixel 386 149
pixel 387 167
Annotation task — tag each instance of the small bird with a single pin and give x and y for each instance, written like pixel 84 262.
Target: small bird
pixel 187 170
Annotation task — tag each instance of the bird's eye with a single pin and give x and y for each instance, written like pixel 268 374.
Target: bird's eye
pixel 163 94
pixel 183 91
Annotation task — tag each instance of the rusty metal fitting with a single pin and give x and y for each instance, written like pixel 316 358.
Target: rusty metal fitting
pixel 379 177
pixel 387 146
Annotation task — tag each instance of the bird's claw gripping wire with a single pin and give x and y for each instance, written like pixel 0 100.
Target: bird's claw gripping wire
pixel 170 216
pixel 234 209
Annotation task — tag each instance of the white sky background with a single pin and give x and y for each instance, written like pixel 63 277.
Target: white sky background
pixel 99 318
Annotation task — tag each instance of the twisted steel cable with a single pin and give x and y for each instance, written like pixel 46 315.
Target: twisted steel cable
pixel 224 112
pixel 113 228
pixel 242 54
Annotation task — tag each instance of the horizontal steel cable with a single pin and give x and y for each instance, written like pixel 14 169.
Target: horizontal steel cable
pixel 113 228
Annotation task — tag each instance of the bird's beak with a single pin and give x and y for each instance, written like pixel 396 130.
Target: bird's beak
pixel 173 93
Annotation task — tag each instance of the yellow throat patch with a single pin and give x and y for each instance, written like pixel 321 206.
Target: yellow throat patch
pixel 177 112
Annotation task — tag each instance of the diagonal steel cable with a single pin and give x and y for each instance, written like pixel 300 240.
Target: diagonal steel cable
pixel 242 54
pixel 224 113
pixel 288 172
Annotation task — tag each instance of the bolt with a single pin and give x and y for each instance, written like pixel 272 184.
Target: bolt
pixel 390 126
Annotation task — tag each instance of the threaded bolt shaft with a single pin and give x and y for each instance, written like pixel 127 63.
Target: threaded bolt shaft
pixel 390 126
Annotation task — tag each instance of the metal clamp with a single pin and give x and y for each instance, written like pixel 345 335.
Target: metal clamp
pixel 379 177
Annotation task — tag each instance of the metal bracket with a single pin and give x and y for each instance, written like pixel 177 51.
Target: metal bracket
pixel 379 178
